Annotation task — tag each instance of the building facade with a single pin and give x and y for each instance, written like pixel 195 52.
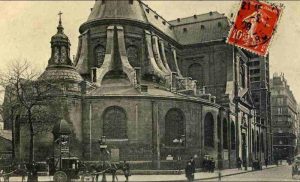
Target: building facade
pixel 145 83
pixel 261 95
pixel 284 117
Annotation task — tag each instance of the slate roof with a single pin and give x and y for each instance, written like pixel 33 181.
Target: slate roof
pixel 201 28
pixel 190 30
pixel 197 18
pixel 117 9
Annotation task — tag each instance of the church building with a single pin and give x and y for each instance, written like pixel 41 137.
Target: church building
pixel 156 89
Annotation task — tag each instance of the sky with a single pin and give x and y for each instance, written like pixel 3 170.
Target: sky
pixel 26 28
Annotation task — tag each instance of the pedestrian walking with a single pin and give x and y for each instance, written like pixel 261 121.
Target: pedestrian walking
pixel 213 165
pixel 204 164
pixel 189 172
pixel 126 170
pixel 239 163
pixel 193 163
pixel 209 165
pixel 266 162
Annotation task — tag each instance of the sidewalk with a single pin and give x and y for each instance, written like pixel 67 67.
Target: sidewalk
pixel 157 178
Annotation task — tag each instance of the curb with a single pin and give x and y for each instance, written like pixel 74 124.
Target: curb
pixel 242 172
pixel 209 178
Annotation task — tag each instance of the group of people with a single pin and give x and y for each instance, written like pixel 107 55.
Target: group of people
pixel 190 169
pixel 209 164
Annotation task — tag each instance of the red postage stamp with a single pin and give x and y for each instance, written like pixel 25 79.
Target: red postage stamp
pixel 254 26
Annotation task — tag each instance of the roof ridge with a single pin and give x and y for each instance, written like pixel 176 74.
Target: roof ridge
pixel 206 20
pixel 197 15
pixel 147 6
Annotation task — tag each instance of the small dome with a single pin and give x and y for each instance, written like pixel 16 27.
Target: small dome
pixel 62 127
pixel 63 73
pixel 58 37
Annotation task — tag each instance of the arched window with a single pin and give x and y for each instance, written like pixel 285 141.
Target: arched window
pixel 174 125
pixel 209 130
pixel 133 56
pixel 225 134
pixel 232 135
pixel 115 123
pixel 99 55
pixel 195 71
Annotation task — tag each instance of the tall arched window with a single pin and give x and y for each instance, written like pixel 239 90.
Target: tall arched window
pixel 174 125
pixel 115 123
pixel 133 56
pixel 209 130
pixel 195 71
pixel 99 55
pixel 232 135
pixel 225 134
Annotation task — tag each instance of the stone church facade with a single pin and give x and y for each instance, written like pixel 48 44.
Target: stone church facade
pixel 144 82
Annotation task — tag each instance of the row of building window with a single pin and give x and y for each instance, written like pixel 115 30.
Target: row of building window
pixel 115 126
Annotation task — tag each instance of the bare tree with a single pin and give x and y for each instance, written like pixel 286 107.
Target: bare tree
pixel 25 94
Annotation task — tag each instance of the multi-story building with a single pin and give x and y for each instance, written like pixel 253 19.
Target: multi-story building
pixel 298 130
pixel 260 92
pixel 284 118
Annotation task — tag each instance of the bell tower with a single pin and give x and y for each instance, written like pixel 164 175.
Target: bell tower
pixel 60 45
pixel 60 66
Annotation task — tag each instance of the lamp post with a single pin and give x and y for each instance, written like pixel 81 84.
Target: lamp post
pixel 103 146
pixel 179 142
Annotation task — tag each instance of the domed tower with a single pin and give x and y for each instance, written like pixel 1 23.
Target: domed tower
pixel 60 67
pixel 118 41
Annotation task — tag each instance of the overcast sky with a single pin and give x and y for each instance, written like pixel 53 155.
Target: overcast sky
pixel 27 26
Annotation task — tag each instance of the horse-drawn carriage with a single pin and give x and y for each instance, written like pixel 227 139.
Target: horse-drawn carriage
pixel 64 169
pixel 69 168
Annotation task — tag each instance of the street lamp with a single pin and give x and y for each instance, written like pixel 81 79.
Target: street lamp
pixel 102 144
pixel 179 142
pixel 103 147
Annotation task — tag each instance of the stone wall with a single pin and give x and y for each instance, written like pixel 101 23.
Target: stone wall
pixel 143 115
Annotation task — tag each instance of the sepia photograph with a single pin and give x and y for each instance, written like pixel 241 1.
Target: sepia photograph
pixel 149 90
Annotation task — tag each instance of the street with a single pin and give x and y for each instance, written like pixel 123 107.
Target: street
pixel 281 173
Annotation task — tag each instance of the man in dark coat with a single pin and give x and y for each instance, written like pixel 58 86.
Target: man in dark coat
pixel 193 163
pixel 212 165
pixel 126 170
pixel 239 163
pixel 266 161
pixel 189 172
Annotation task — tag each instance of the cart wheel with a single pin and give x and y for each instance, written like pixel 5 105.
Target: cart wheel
pixel 60 176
